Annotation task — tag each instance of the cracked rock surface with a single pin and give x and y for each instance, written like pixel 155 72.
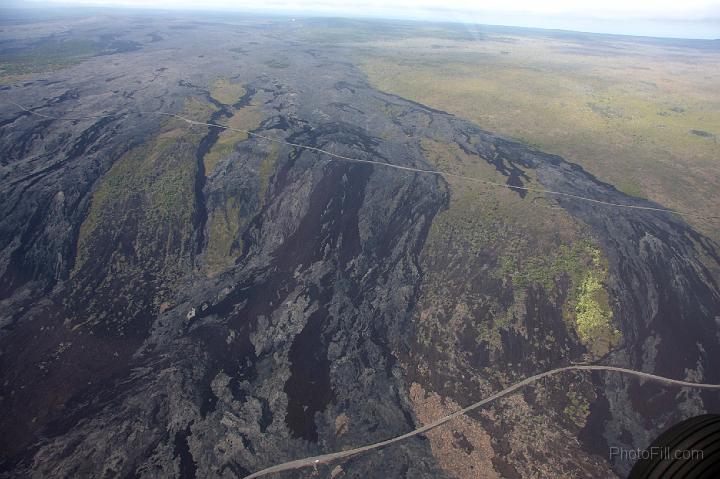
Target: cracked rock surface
pixel 124 354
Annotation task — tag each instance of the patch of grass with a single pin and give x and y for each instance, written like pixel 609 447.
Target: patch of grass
pixel 577 409
pixel 222 148
pixel 225 222
pixel 49 55
pixel 53 53
pixel 149 194
pixel 587 308
pixel 138 239
pixel 487 251
pixel 568 261
pixel 247 118
pixel 510 247
pixel 196 110
pixel 223 226
pixel 226 92
pixel 593 316
pixel 267 167
pixel 597 109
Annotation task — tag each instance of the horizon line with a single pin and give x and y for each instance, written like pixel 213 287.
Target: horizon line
pixel 350 15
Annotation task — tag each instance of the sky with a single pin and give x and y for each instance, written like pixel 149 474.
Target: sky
pixel 673 18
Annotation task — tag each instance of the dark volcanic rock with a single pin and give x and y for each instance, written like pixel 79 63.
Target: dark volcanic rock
pixel 130 360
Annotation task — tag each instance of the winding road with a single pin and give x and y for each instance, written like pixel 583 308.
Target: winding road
pixel 331 457
pixel 334 456
pixel 380 163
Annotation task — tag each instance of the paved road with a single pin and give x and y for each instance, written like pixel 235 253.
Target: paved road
pixel 380 163
pixel 327 458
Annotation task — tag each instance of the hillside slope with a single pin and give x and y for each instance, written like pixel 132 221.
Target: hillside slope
pixel 179 300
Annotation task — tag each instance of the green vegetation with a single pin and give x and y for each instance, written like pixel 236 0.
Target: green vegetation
pixel 226 219
pixel 484 253
pixel 49 55
pixel 140 225
pixel 587 307
pixel 267 168
pixel 226 222
pixel 494 240
pixel 568 261
pixel 226 92
pixel 247 118
pixel 223 225
pixel 158 179
pixel 195 110
pixel 222 149
pixel 141 219
pixel 642 116
pixel 593 315
pixel 577 409
pixel 138 239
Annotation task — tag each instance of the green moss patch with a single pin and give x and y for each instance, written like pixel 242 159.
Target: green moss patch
pixel 223 243
pixel 227 220
pixel 140 225
pixel 590 307
pixel 247 118
pixel 226 92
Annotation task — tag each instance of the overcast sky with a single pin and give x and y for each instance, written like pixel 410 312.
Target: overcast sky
pixel 678 18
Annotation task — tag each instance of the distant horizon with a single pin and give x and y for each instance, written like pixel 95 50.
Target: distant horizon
pixel 689 27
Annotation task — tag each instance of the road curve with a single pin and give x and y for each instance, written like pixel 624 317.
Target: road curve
pixel 334 456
